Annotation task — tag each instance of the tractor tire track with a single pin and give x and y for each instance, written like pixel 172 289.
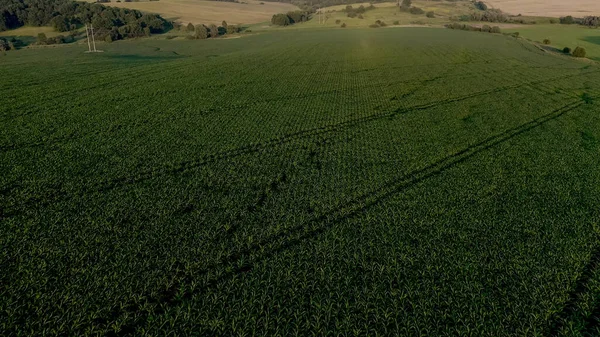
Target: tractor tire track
pixel 310 230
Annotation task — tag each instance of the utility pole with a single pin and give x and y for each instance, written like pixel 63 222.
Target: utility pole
pixel 93 40
pixel 88 38
pixel 90 31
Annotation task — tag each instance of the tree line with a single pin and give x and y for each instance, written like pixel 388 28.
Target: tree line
pixel 201 31
pixel 290 18
pixel 590 21
pixel 65 15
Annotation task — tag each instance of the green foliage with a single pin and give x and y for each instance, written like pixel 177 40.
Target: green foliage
pixel 67 15
pixel 547 41
pixel 496 30
pixel 231 29
pixel 297 16
pixel 392 182
pixel 480 5
pixel 289 18
pixel 41 38
pixel 201 32
pixel 213 30
pixel 343 25
pixel 280 20
pixel 490 15
pixel 430 14
pixel 567 50
pixel 190 27
pixel 416 10
pixel 579 52
pixel 567 20
pixel 5 45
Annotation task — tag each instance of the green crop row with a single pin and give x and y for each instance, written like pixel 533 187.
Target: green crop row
pixel 345 182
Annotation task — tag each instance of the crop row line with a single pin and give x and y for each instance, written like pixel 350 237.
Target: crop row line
pixel 60 193
pixel 277 243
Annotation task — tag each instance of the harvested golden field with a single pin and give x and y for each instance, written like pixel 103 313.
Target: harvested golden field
pixel 206 12
pixel 552 8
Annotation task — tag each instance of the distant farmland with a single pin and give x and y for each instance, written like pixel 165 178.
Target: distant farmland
pixel 552 8
pixel 381 182
pixel 206 12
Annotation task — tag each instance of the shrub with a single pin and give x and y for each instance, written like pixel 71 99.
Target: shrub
pixel 280 20
pixel 337 22
pixel 567 50
pixel 486 28
pixel 374 25
pixel 4 45
pixel 343 25
pixel 201 32
pixel 579 52
pixel 553 21
pixel 41 38
pixel 480 5
pixel 546 41
pixel 515 34
pixel 430 14
pixel 351 14
pixel 496 30
pixel 396 22
pixel 360 16
pixel 567 20
pixel 190 27
pixel 416 10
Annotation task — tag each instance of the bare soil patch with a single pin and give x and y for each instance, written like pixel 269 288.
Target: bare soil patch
pixel 549 8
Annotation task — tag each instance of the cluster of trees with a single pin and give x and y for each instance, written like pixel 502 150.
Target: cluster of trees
pixel 354 12
pixel 484 28
pixel 66 15
pixel 378 24
pixel 314 5
pixel 201 31
pixel 592 21
pixel 406 6
pixel 490 15
pixel 60 39
pixel 290 18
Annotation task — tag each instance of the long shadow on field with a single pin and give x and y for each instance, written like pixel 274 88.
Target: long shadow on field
pixel 177 294
pixel 60 193
pixel 569 312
